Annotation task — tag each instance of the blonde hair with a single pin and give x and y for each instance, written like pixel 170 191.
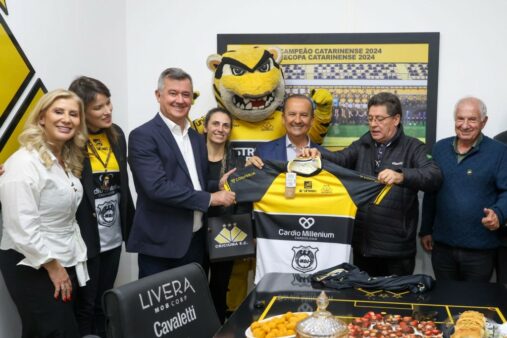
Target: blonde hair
pixel 34 136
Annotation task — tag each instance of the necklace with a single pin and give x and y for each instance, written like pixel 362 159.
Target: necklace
pixel 91 146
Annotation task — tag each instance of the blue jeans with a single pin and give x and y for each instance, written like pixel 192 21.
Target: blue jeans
pixel 462 264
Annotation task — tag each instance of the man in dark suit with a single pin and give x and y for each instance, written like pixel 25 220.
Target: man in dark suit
pixel 169 163
pixel 501 256
pixel 297 119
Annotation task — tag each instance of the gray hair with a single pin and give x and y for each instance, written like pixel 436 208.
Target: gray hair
pixel 299 96
pixel 471 99
pixel 174 74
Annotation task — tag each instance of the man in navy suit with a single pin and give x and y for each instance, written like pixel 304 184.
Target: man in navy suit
pixel 297 119
pixel 169 163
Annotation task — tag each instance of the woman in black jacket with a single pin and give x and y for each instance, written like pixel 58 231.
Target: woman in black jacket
pixel 106 210
pixel 221 159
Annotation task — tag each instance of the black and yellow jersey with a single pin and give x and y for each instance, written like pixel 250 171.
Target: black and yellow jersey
pixel 313 230
pixel 245 136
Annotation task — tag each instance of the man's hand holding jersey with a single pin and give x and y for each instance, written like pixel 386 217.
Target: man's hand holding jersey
pixel 223 197
pixel 386 176
pixel 257 162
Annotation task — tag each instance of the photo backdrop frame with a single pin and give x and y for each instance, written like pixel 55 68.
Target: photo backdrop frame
pixel 353 67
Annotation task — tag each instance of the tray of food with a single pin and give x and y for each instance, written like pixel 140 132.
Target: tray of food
pixel 276 326
pixel 471 324
pixel 391 326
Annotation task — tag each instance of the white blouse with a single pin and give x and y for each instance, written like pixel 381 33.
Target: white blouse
pixel 38 210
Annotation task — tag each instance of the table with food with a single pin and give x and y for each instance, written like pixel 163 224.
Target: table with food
pixel 291 305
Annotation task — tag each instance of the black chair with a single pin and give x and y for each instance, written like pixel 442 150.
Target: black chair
pixel 172 303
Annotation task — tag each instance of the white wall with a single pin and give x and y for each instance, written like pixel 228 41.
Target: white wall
pixel 183 34
pixel 67 38
pixel 128 43
pixel 64 39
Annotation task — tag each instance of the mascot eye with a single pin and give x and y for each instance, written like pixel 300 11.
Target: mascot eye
pixel 237 71
pixel 266 67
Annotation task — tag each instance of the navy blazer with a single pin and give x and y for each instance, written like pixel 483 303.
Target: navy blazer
pixel 86 215
pixel 166 198
pixel 276 150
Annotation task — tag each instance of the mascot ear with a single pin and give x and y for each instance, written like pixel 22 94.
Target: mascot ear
pixel 277 53
pixel 213 61
pixel 195 96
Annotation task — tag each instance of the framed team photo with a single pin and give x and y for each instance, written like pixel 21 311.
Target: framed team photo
pixel 353 67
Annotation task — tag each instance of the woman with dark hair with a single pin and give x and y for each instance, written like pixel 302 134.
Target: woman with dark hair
pixel 221 159
pixel 42 253
pixel 106 211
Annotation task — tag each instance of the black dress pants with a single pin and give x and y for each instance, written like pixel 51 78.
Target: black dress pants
pixel 501 265
pixel 220 273
pixel 385 266
pixel 150 265
pixel 42 316
pixel 102 269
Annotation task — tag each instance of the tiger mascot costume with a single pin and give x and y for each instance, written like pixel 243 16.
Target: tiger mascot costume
pixel 249 83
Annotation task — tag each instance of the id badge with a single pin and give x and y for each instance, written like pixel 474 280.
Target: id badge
pixel 290 185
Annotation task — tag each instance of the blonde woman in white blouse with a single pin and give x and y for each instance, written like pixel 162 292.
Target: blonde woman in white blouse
pixel 42 254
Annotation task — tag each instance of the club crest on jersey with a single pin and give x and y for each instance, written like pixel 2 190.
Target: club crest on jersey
pixel 106 213
pixel 305 258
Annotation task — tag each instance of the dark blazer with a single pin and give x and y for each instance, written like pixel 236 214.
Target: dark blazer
pixel 166 199
pixel 276 150
pixel 86 216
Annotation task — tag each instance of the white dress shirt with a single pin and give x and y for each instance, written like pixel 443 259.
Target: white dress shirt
pixel 292 150
pixel 38 210
pixel 183 142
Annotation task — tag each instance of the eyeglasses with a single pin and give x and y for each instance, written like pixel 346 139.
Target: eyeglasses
pixel 378 119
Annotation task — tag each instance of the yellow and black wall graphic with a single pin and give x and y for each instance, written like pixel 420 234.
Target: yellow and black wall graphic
pixel 19 90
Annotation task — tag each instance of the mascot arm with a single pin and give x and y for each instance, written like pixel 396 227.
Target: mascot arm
pixel 322 114
pixel 198 124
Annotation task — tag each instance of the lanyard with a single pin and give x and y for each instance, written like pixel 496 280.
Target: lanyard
pixel 91 146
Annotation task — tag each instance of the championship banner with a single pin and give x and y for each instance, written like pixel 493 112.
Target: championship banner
pixel 230 237
pixel 353 68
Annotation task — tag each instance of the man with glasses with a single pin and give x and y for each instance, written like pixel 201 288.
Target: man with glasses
pixel 462 219
pixel 384 238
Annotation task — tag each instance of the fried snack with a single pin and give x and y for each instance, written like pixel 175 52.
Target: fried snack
pixel 279 326
pixel 470 324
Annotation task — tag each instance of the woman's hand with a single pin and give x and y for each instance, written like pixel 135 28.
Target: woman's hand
pixel 60 278
pixel 224 178
pixel 256 161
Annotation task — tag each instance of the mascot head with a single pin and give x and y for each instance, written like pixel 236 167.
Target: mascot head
pixel 248 81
